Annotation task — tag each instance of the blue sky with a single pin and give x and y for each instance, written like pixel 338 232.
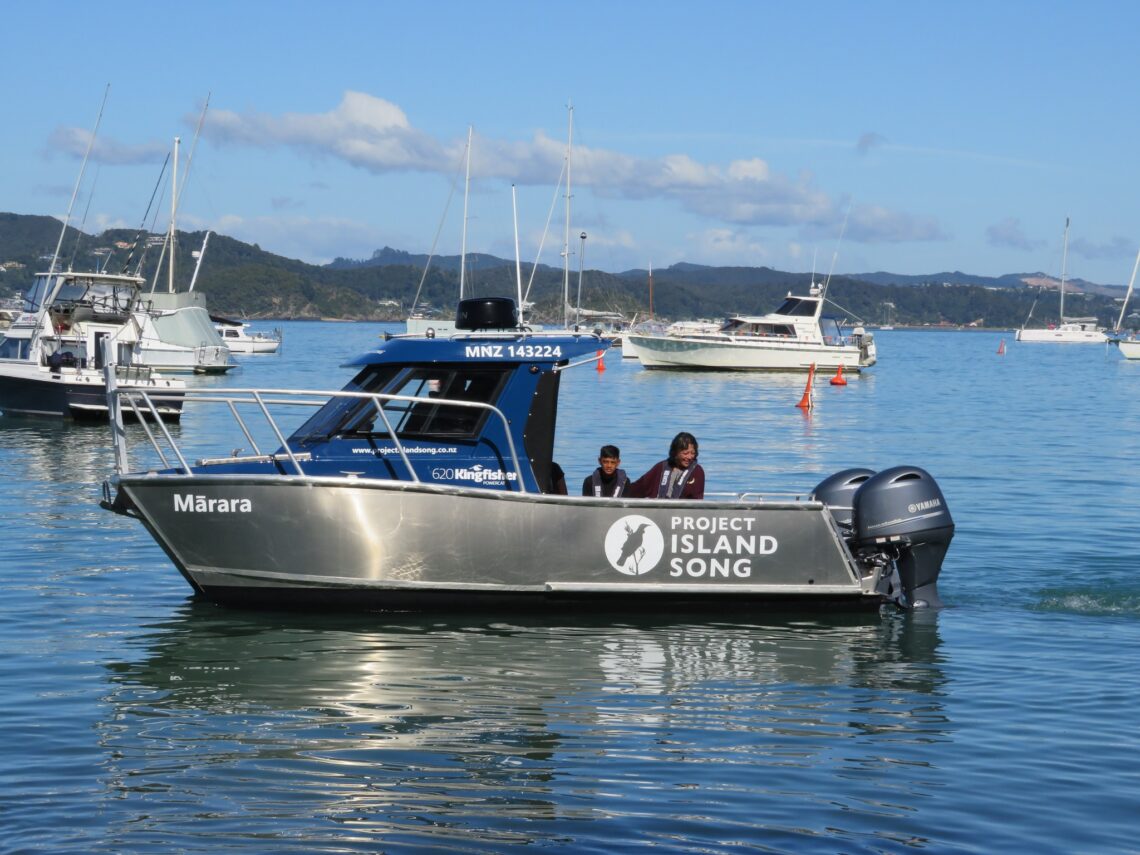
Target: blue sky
pixel 947 136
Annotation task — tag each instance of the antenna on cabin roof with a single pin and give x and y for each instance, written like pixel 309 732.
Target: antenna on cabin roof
pixel 79 181
pixel 835 254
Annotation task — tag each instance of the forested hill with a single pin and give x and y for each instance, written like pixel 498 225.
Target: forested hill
pixel 242 279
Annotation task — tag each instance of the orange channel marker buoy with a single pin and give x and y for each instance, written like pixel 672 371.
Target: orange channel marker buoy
pixel 1001 348
pixel 806 402
pixel 839 379
pixel 601 361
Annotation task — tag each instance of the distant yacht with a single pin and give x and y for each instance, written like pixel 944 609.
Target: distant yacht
pixel 792 338
pixel 1069 330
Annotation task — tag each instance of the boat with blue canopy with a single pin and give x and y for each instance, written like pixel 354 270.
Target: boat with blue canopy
pixel 425 483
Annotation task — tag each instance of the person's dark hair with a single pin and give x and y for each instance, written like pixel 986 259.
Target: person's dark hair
pixel 680 442
pixel 610 451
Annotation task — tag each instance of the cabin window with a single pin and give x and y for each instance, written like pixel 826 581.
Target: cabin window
pixel 422 418
pixel 340 415
pixel 425 418
pixel 13 348
pixel 797 307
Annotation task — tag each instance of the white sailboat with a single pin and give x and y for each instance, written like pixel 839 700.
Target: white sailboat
pixel 1069 330
pixel 1129 347
pixel 176 333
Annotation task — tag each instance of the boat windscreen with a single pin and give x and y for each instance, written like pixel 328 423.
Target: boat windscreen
pixel 798 307
pixel 426 418
pixel 422 418
pixel 339 412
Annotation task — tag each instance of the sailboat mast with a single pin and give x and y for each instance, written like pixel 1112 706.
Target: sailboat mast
pixel 581 264
pixel 78 182
pixel 463 241
pixel 518 257
pixel 651 289
pixel 566 231
pixel 198 265
pixel 1064 262
pixel 52 288
pixel 1127 294
pixel 173 213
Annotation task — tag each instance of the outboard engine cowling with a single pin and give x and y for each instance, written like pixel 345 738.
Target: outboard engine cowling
pixel 902 509
pixel 838 493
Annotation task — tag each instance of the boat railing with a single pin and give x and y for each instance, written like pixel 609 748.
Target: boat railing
pixel 753 496
pixel 242 405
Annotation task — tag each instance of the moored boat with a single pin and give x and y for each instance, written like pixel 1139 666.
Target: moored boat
pixel 424 484
pixel 792 338
pixel 239 339
pixel 52 356
pixel 1068 330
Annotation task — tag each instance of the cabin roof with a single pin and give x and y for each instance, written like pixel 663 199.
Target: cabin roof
pixel 483 347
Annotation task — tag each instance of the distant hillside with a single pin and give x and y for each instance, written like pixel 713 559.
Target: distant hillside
pixel 244 280
pixel 1009 280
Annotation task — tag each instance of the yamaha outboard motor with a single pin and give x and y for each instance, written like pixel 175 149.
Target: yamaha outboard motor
pixel 838 493
pixel 900 512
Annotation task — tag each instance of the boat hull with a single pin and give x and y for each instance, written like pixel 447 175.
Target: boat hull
pixel 253 346
pixel 1129 348
pixel 286 541
pixel 30 390
pixel 172 359
pixel 711 353
pixel 1062 336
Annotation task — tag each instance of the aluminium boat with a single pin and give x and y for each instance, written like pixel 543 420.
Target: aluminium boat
pixel 424 484
pixel 792 338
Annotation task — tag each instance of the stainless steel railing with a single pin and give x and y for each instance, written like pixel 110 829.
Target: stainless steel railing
pixel 144 406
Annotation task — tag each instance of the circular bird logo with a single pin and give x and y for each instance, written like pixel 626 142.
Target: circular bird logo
pixel 634 545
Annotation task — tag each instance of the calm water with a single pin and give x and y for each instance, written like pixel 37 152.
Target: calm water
pixel 135 719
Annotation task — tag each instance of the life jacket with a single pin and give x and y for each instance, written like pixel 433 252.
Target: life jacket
pixel 663 491
pixel 619 481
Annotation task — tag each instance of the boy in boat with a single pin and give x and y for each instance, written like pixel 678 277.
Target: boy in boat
pixel 677 477
pixel 607 480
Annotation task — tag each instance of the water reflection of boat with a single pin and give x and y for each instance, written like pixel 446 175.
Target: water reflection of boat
pixel 427 487
pixel 391 671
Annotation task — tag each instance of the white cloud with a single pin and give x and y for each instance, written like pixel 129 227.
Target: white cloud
pixel 727 246
pixel 875 224
pixel 74 142
pixel 1009 233
pixel 363 130
pixel 316 240
pixel 869 141
pixel 1114 248
pixel 374 134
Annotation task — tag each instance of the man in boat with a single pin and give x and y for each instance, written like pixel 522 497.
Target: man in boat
pixel 607 480
pixel 677 477
pixel 557 479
